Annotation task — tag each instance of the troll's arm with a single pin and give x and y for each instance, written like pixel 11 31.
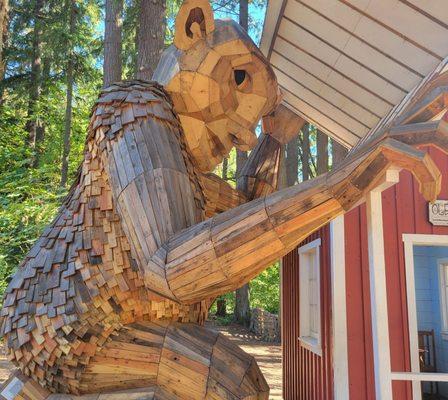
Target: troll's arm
pixel 160 203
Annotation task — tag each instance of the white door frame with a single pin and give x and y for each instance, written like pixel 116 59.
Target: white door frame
pixel 411 240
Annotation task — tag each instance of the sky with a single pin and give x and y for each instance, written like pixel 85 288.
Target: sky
pixel 256 15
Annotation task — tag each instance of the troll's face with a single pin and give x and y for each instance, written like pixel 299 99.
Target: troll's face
pixel 220 83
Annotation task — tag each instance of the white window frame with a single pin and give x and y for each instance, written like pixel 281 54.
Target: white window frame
pixel 443 288
pixel 311 343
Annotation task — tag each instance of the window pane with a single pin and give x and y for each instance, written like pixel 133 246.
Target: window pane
pixel 310 292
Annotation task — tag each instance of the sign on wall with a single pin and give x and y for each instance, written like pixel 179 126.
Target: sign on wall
pixel 438 212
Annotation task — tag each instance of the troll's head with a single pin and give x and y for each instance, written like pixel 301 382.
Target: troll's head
pixel 220 83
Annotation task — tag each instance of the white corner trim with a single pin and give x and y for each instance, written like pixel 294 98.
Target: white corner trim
pixel 378 296
pixel 339 309
pixel 409 241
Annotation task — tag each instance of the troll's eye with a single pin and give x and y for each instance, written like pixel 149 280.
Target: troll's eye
pixel 239 76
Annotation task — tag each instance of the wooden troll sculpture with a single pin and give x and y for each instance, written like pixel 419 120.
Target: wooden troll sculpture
pixel 112 295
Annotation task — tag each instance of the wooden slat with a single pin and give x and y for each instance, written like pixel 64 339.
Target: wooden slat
pixel 113 293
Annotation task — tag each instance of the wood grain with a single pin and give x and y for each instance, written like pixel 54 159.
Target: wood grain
pixel 113 294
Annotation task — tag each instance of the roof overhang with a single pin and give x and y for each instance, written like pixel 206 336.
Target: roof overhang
pixel 344 65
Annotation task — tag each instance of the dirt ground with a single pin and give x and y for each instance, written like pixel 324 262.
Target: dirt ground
pixel 268 356
pixel 5 365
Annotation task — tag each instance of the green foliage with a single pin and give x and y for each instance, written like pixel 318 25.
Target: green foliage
pixel 264 293
pixel 223 321
pixel 231 168
pixel 30 197
pixel 265 290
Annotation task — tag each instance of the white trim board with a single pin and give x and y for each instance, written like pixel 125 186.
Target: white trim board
pixel 442 264
pixel 339 309
pixel 378 295
pixel 411 240
pixel 417 377
pixel 270 23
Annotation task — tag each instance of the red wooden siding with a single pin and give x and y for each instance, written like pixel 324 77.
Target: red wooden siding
pixel 305 374
pixel 359 327
pixel 404 211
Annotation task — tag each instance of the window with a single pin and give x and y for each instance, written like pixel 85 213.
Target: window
pixel 443 293
pixel 309 286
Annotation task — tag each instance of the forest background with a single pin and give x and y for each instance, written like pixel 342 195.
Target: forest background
pixel 54 58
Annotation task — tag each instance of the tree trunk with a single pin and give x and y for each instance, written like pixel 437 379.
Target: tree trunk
pixel 68 107
pixel 4 20
pixel 241 156
pixel 322 152
pixel 306 170
pixel 112 42
pixel 34 125
pixel 244 14
pixel 242 305
pixel 150 36
pixel 338 153
pixel 292 161
pixel 225 168
pixel 282 178
pixel 3 33
pixel 221 307
pixel 241 313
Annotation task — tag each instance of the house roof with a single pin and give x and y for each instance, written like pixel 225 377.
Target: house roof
pixel 344 65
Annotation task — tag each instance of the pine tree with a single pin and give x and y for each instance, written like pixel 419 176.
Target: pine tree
pixel 150 36
pixel 292 161
pixel 242 295
pixel 306 153
pixel 69 97
pixel 112 68
pixel 322 152
pixel 34 124
pixel 4 8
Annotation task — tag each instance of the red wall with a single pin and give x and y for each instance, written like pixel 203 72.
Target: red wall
pixel 305 374
pixel 404 211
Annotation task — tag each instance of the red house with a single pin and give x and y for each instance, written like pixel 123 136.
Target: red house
pixel 365 298
pixel 354 332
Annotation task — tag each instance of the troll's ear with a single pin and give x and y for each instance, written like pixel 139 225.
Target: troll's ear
pixel 194 21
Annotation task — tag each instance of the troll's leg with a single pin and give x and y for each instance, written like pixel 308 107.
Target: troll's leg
pixel 181 361
pixel 198 363
pixel 157 360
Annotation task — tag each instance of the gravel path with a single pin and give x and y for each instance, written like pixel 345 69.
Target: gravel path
pixel 5 365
